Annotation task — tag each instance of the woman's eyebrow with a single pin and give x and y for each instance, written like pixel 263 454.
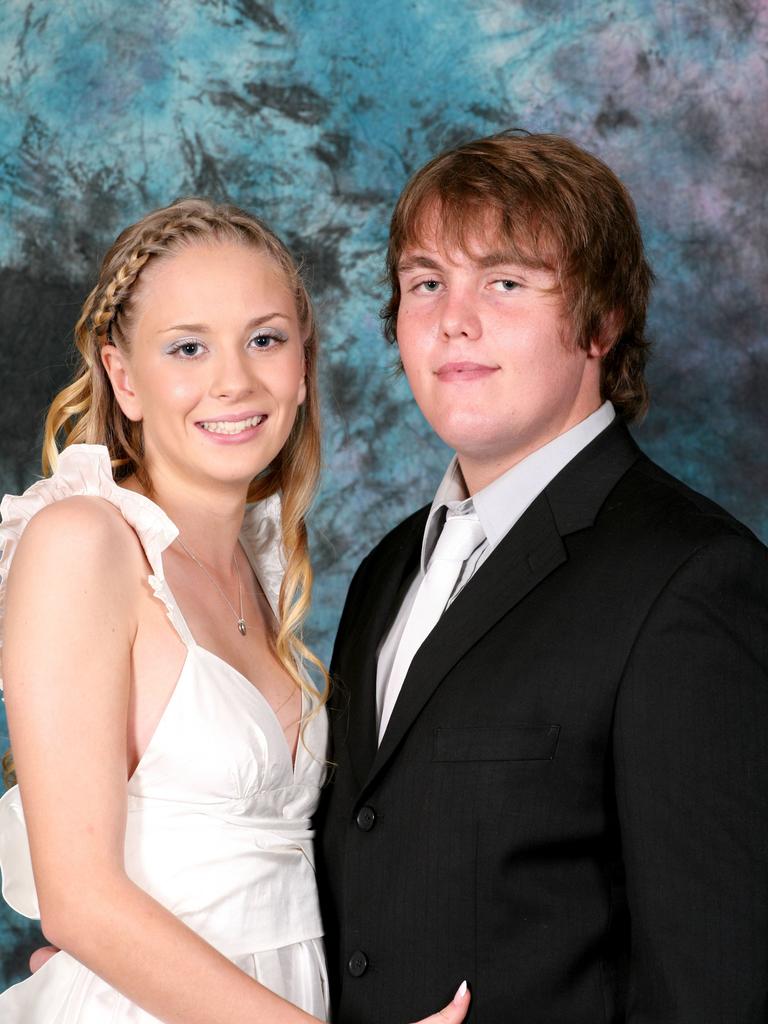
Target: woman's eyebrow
pixel 202 328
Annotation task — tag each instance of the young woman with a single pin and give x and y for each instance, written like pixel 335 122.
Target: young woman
pixel 169 743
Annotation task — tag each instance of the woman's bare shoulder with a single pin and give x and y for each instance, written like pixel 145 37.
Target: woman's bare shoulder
pixel 79 535
pixel 74 595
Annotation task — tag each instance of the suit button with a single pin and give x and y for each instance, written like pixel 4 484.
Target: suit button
pixel 366 819
pixel 358 964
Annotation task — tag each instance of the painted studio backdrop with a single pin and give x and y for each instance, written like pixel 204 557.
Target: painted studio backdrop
pixel 313 115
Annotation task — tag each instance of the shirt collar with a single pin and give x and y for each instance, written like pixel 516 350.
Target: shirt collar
pixel 502 502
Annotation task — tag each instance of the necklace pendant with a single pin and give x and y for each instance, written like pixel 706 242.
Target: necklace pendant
pixel 241 626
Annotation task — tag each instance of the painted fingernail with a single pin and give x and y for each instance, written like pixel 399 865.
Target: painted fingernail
pixel 460 992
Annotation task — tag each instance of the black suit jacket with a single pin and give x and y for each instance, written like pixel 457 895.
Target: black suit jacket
pixel 570 805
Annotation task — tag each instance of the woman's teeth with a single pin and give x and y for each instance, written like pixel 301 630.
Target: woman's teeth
pixel 231 426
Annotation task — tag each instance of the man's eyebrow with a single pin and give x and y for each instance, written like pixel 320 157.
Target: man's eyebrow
pixel 500 259
pixel 414 262
pixel 257 321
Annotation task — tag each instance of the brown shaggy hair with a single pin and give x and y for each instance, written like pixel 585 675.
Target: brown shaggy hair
pixel 547 203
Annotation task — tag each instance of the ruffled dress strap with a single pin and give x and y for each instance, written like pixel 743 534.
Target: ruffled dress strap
pixel 82 469
pixel 261 537
pixel 85 469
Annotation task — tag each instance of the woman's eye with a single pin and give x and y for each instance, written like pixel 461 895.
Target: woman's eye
pixel 267 340
pixel 187 349
pixel 506 284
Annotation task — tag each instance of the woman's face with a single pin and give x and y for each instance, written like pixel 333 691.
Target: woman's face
pixel 214 367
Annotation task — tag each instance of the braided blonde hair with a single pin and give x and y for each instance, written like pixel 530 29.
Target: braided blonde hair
pixel 86 411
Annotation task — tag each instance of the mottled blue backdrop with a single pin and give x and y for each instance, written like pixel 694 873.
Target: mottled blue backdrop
pixel 313 115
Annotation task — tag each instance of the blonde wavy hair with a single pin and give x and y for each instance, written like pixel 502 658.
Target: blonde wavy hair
pixel 86 411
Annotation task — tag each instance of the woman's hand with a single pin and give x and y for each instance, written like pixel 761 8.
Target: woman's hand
pixel 454 1012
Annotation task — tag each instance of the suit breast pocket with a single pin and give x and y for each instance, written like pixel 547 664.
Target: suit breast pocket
pixel 518 742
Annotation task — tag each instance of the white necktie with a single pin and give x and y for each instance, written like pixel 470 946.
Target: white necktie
pixel 460 536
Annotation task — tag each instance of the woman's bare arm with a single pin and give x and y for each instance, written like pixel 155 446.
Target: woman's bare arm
pixel 72 606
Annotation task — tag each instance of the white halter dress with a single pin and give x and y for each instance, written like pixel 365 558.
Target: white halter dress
pixel 218 827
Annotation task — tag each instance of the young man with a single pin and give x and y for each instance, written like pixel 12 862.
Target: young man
pixel 552 693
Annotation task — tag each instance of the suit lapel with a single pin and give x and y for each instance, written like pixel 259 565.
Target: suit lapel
pixel 400 562
pixel 532 549
pixel 525 557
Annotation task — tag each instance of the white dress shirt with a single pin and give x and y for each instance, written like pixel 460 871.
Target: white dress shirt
pixel 498 506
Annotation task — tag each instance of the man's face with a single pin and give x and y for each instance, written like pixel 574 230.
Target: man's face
pixel 489 354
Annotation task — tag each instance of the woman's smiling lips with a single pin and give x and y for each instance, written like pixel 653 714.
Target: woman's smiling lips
pixel 463 371
pixel 232 429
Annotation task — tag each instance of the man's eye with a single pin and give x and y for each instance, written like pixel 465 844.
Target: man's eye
pixel 506 284
pixel 429 286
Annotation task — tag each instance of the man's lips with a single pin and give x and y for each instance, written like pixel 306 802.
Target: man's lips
pixel 464 371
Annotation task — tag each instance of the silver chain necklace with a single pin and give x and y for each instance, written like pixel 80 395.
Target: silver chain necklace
pixel 240 618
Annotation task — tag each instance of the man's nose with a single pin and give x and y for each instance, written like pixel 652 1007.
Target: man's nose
pixel 459 316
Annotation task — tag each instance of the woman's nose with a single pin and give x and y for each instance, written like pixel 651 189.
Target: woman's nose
pixel 234 376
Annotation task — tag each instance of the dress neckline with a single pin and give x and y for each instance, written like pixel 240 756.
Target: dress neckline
pixel 86 469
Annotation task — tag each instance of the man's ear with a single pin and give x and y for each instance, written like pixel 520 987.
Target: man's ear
pixel 611 326
pixel 118 371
